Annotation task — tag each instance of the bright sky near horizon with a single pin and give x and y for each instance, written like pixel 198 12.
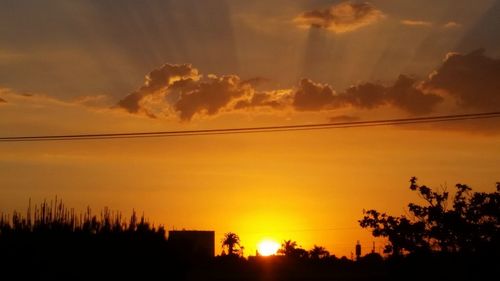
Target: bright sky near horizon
pixel 70 67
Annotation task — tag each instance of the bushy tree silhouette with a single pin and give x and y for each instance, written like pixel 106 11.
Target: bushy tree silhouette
pixel 471 225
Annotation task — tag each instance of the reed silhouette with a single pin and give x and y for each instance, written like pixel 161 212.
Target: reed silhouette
pixel 52 241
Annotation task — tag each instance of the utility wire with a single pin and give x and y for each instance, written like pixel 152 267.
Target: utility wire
pixel 246 130
pixel 301 230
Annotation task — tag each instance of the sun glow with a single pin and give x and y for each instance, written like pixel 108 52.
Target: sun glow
pixel 268 247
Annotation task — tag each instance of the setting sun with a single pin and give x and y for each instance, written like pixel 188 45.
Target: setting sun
pixel 268 247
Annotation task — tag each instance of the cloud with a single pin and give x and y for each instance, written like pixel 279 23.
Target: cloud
pixel 97 101
pixel 451 24
pixel 184 98
pixel 277 99
pixel 211 96
pixel 178 92
pixel 366 95
pixel 37 100
pixel 39 114
pixel 473 80
pixel 341 18
pixel 417 23
pixel 422 23
pixel 404 94
pixel 157 80
pixel 407 95
pixel 312 96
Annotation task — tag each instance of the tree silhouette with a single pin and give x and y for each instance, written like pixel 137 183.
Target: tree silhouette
pixel 229 241
pixel 289 248
pixel 318 252
pixel 471 225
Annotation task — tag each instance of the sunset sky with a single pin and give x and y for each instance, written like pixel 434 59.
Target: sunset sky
pixel 105 66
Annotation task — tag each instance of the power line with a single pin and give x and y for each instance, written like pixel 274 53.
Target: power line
pixel 246 130
pixel 301 230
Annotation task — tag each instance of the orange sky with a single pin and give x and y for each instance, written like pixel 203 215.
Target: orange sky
pixel 79 67
pixel 306 186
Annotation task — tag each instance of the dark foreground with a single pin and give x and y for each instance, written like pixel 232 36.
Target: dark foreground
pixel 52 242
pixel 141 260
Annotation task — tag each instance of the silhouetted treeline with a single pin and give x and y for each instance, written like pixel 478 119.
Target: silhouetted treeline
pixel 470 224
pixel 443 238
pixel 439 240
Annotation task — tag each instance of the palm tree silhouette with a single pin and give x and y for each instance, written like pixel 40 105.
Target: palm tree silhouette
pixel 229 241
pixel 318 252
pixel 288 247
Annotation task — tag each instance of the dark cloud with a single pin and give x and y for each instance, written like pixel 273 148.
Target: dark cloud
pixel 131 102
pixel 211 96
pixel 483 33
pixel 404 94
pixel 340 18
pixel 157 80
pixel 366 95
pixel 472 79
pixel 312 96
pixel 178 89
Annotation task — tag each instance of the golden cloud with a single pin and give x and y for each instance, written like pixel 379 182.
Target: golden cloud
pixel 341 18
pixel 417 23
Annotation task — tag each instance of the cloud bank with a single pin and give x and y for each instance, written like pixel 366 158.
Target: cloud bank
pixel 341 18
pixel 468 81
pixel 403 94
pixel 180 90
